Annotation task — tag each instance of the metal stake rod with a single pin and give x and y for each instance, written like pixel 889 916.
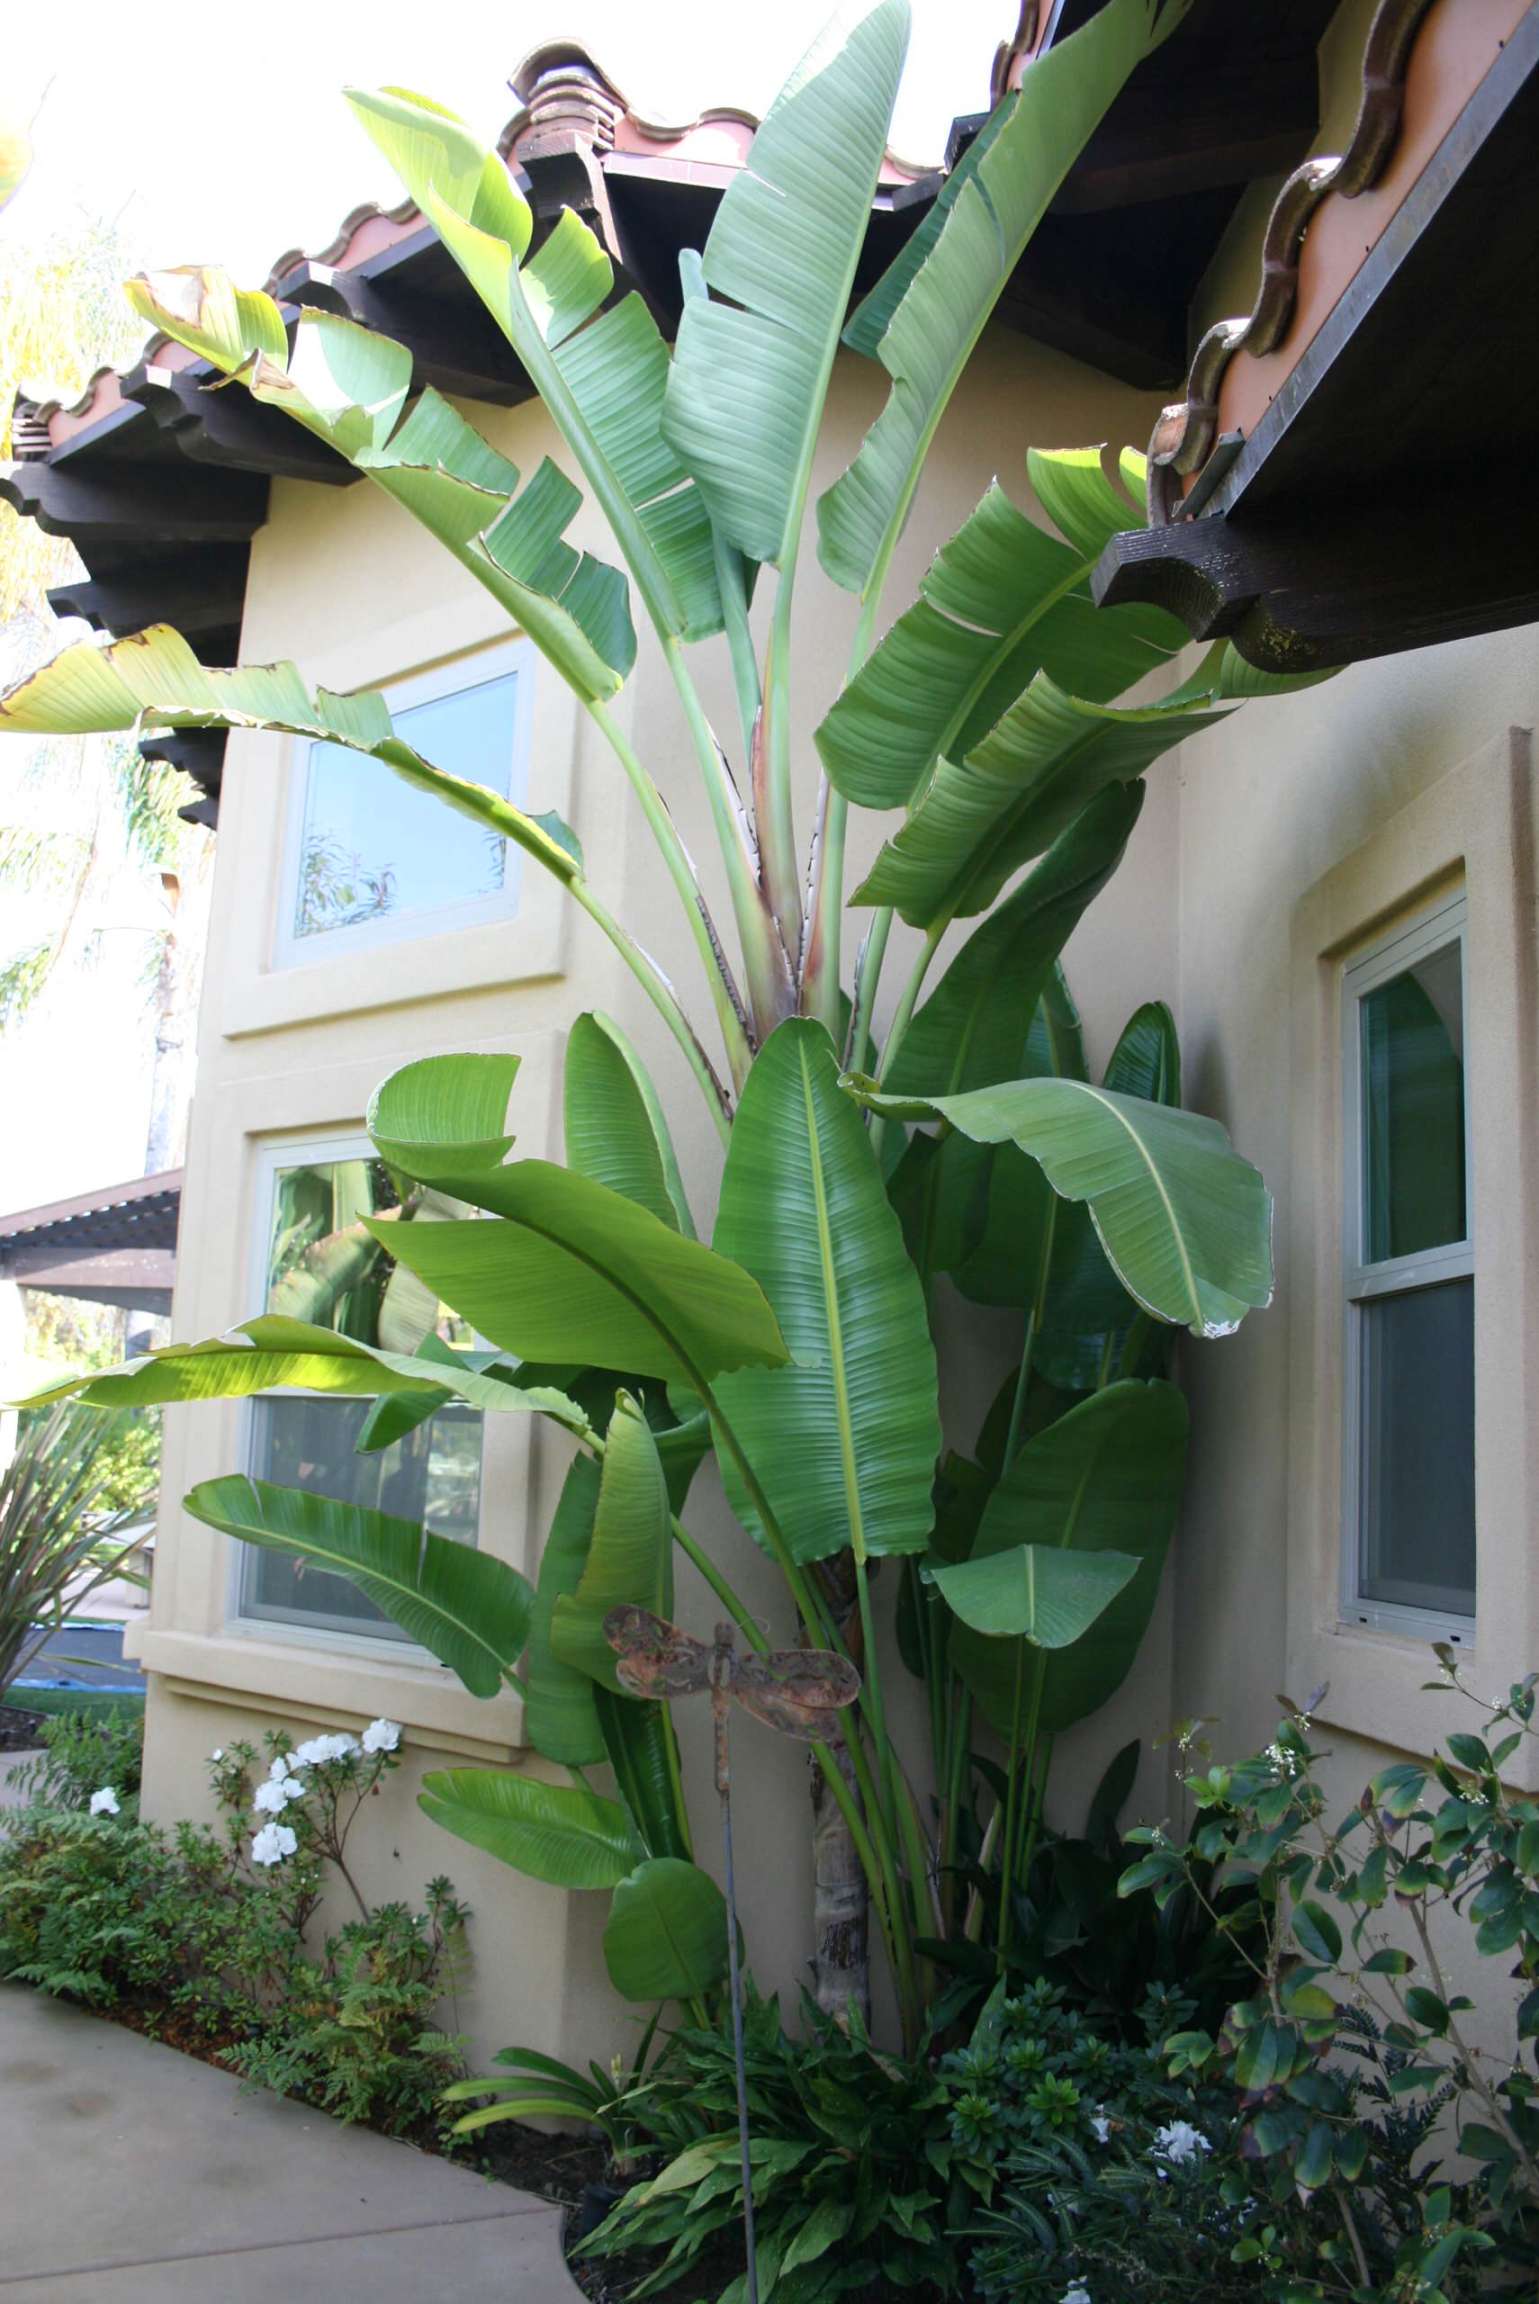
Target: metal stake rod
pixel 724 1787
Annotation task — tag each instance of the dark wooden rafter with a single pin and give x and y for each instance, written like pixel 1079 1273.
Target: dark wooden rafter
pixel 1112 270
pixel 414 293
pixel 121 503
pixel 1357 521
pixel 212 422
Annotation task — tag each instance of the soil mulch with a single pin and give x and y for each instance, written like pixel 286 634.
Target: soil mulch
pixel 20 1731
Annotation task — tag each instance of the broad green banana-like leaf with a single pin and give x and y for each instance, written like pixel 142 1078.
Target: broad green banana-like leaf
pixel 349 386
pixel 751 367
pixel 630 1555
pixel 560 1833
pixel 153 679
pixel 666 1936
pixel 983 817
pixel 1186 1222
pixel 468 1608
pixel 616 1129
pixel 844 1441
pixel 444 1112
pixel 971 1030
pixel 1104 1479
pixel 1035 1592
pixel 601 374
pixel 273 1353
pixel 1001 602
pixel 575 1272
pixel 997 1233
pixel 936 318
pixel 639 1745
pixel 1088 1313
pixel 559 1717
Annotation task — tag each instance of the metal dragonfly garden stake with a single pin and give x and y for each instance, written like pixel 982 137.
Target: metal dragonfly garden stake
pixel 797 1691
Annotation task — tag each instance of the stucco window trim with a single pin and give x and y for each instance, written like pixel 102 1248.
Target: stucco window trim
pixel 265 986
pixel 1472 830
pixel 196 1632
pixel 324 946
pixel 275 1155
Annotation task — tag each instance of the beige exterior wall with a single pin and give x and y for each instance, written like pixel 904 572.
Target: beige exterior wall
pixel 344 582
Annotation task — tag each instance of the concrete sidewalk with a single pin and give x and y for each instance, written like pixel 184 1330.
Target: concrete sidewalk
pixel 130 2174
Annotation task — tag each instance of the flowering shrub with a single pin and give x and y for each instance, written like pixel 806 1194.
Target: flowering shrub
pixel 1349 2064
pixel 199 1935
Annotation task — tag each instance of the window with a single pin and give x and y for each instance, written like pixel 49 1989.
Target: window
pixel 320 1264
pixel 367 857
pixel 1408 1241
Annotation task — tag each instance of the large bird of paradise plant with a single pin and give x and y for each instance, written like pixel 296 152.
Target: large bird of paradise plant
pixel 967 1139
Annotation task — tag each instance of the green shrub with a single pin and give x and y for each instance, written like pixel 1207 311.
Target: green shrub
pixel 852 2163
pixel 82 1752
pixel 199 1934
pixel 1349 2056
pixel 356 2034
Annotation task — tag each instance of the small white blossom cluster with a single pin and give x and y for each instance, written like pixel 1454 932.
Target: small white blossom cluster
pixel 1178 2142
pixel 285 1782
pixel 1078 2294
pixel 1282 1759
pixel 273 1843
pixel 319 1749
pixel 104 1802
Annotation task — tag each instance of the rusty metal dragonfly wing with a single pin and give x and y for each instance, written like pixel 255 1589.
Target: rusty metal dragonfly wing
pixel 653 1657
pixel 799 1691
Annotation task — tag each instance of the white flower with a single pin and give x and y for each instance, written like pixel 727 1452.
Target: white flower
pixel 1177 2142
pixel 104 1802
pixel 217 1753
pixel 273 1843
pixel 1286 1762
pixel 1078 2294
pixel 1100 2127
pixel 320 1749
pixel 382 1736
pixel 273 1797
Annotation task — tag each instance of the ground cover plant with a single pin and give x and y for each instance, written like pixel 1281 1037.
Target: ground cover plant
pixel 861 1178
pixel 202 1936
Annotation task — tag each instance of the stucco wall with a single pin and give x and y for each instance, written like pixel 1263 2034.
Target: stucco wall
pixel 342 581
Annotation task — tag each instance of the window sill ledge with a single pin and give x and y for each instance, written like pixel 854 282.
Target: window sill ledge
pixel 330 1686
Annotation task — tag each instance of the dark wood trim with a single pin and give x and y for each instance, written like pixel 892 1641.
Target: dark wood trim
pixel 213 423
pixel 135 503
pixel 1304 590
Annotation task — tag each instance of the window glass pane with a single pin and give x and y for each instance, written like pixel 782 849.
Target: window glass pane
pixel 1413 1109
pixel 373 846
pixel 1417 1503
pixel 433 1475
pixel 323 1266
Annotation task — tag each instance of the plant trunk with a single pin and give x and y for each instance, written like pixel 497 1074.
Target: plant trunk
pixel 841 1910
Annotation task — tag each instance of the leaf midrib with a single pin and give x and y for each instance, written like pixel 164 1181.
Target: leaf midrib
pixel 837 1363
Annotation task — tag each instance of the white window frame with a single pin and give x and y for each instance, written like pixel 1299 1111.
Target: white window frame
pixel 314 1628
pixel 1434 930
pixel 290 950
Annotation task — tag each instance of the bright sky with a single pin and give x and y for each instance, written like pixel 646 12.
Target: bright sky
pixel 217 135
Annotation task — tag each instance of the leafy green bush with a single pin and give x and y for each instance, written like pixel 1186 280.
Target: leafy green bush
pixel 852 2163
pixel 81 1753
pixel 356 2034
pixel 1350 2055
pixel 198 1934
